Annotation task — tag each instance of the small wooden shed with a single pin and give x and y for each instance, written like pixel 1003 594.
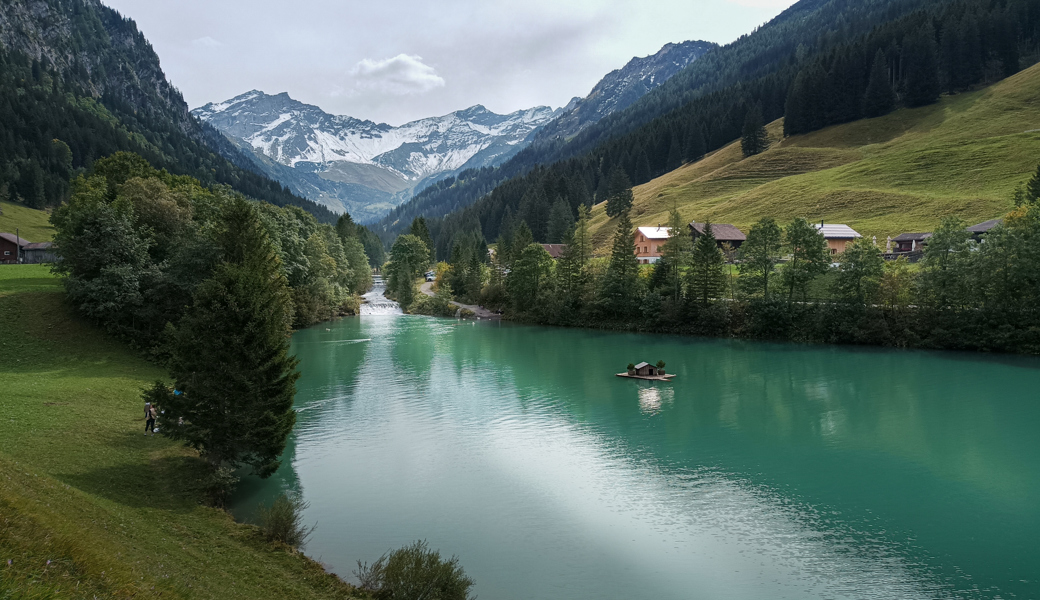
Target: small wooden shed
pixel 646 369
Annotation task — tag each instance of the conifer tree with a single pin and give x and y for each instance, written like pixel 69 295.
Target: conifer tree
pixel 522 238
pixel 695 146
pixel 753 140
pixel 620 291
pixel 573 267
pixel 230 361
pixel 1032 189
pixel 675 254
pixel 674 160
pixel 420 230
pixel 707 267
pixel 880 98
pixel 561 220
pixel 619 198
pixel 760 254
pixel 921 68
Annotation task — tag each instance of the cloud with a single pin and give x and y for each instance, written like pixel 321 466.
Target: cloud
pixel 401 75
pixel 206 42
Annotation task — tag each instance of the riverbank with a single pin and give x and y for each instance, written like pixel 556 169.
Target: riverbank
pixel 89 505
pixel 833 323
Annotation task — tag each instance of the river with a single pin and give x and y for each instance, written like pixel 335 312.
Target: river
pixel 761 472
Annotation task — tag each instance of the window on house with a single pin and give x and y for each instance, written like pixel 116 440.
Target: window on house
pixel 7 253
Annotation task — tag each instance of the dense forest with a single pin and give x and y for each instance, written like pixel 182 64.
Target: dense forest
pixel 869 59
pixel 134 245
pixel 79 82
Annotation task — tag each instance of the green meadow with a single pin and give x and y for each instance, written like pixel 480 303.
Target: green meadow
pixel 899 173
pixel 90 507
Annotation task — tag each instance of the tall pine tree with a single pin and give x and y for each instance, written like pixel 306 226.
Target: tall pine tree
pixel 620 292
pixel 619 198
pixel 230 361
pixel 753 139
pixel 880 98
pixel 706 277
pixel 921 68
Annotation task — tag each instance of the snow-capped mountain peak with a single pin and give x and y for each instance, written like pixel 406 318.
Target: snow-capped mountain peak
pixel 387 159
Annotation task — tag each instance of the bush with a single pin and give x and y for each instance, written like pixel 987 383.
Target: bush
pixel 220 484
pixel 415 572
pixel 283 521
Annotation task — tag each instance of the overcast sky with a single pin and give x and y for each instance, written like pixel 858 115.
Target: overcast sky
pixel 398 60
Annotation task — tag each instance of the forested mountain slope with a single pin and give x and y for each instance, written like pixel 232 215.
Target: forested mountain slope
pixel 907 61
pixel 78 82
pixel 704 106
pixel 898 173
pixel 623 87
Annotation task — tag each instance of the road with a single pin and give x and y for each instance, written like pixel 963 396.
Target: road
pixel 482 313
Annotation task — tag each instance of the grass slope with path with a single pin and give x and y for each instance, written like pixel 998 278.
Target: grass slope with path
pixel 899 173
pixel 32 224
pixel 89 506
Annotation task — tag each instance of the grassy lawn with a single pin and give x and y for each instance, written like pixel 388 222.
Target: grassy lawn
pixel 89 505
pixel 32 225
pixel 899 173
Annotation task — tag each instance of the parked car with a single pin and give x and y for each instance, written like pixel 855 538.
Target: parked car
pixel 431 276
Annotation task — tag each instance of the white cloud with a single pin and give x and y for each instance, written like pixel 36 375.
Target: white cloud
pixel 206 42
pixel 401 75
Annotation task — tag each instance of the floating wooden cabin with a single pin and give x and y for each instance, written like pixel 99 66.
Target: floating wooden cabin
pixel 647 371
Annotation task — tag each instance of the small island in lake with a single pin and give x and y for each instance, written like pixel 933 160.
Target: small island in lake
pixel 647 371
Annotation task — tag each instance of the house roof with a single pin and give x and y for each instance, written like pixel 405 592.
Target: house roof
pixel 837 232
pixel 723 232
pixel 986 226
pixel 14 239
pixel 655 233
pixel 555 250
pixel 912 237
pixel 642 364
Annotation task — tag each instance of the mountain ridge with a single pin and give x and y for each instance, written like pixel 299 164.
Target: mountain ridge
pixel 622 87
pixel 346 153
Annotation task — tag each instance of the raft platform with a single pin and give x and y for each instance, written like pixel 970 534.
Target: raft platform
pixel 647 377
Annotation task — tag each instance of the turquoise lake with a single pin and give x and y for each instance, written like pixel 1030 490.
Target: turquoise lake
pixel 761 472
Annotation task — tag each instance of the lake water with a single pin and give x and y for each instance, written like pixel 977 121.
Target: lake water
pixel 762 472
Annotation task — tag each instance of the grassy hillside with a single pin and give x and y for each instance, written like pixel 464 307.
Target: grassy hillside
pixel 33 225
pixel 89 506
pixel 899 173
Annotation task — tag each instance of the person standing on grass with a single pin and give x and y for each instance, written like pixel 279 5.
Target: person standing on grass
pixel 149 418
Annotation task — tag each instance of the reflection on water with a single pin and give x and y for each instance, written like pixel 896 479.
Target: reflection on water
pixel 652 398
pixel 760 472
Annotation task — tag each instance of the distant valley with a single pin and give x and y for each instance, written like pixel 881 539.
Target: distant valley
pixel 367 169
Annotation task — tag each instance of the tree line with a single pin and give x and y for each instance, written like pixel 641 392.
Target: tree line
pixel 968 292
pixel 134 244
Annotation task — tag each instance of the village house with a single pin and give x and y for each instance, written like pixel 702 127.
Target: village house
pixel 910 242
pixel 979 231
pixel 838 236
pixel 648 243
pixel 11 248
pixel 728 237
pixel 555 250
